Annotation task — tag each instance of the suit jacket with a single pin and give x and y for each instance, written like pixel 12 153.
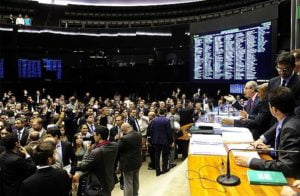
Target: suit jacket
pixel 161 131
pixel 252 111
pixel 47 182
pixel 294 86
pixel 99 163
pixel 133 122
pixel 13 170
pixel 144 110
pixel 260 123
pixel 25 136
pixel 68 154
pixel 275 82
pixel 289 139
pixel 112 133
pixel 130 151
pixel 186 116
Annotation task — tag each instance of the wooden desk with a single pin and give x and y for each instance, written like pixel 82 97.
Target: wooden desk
pixel 204 163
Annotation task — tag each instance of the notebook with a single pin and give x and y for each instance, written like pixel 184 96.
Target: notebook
pixel 266 177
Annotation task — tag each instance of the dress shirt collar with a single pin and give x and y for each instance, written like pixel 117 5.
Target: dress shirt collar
pixel 287 80
pixel 43 167
pixel 254 97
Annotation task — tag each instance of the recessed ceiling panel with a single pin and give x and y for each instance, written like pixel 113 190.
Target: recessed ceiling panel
pixel 116 2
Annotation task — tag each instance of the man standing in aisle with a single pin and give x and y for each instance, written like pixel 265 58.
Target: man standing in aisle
pixel 130 159
pixel 162 140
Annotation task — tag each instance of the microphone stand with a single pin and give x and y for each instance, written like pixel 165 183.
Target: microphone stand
pixel 228 179
pixel 232 180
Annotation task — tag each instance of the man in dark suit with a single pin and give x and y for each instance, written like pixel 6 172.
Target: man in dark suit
pixel 99 163
pixel 162 140
pixel 14 168
pixel 262 120
pixel 90 122
pixel 47 181
pixel 251 109
pixel 132 120
pixel 21 131
pixel 115 133
pixel 285 64
pixel 130 159
pixel 287 137
pixel 142 108
pixel 64 150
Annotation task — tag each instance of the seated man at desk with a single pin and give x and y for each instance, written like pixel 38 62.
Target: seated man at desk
pixel 251 109
pixel 281 105
pixel 262 121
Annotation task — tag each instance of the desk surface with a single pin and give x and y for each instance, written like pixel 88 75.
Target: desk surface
pixel 208 166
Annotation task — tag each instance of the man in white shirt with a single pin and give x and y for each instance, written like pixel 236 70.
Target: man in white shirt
pixel 20 20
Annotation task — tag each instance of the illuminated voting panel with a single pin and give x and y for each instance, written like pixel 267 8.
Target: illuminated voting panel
pixel 236 54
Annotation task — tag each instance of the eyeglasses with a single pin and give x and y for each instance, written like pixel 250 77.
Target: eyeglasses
pixel 282 69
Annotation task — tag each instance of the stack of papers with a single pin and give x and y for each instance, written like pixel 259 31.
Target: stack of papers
pixel 214 125
pixel 207 144
pixel 249 154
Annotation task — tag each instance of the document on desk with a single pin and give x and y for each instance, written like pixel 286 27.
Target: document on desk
pixel 207 144
pixel 237 137
pixel 249 154
pixel 234 129
pixel 214 125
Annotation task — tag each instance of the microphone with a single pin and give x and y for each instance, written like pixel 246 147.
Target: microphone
pixel 232 180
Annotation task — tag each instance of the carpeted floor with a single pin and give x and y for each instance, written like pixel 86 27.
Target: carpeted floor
pixel 173 183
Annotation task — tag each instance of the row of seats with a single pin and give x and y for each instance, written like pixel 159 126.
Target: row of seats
pixel 15 10
pixel 144 23
pixel 108 20
pixel 153 12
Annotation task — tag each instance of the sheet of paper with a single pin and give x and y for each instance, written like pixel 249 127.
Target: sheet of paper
pixel 207 144
pixel 228 117
pixel 250 154
pixel 217 149
pixel 237 137
pixel 234 129
pixel 67 168
pixel 206 138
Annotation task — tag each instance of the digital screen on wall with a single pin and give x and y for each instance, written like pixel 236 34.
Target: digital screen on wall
pixel 39 69
pixel 55 66
pixel 236 89
pixel 233 55
pixel 1 68
pixel 29 68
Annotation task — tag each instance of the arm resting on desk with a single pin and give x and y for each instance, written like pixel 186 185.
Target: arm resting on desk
pixel 288 163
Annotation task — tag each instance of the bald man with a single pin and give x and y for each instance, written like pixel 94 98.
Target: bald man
pixel 130 146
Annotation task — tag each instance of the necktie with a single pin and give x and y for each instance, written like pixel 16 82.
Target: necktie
pixel 278 131
pixel 283 83
pixel 250 104
pixel 19 135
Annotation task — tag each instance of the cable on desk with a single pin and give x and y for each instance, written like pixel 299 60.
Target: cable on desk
pixel 201 178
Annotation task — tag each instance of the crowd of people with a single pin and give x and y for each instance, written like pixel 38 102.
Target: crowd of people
pixel 89 140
